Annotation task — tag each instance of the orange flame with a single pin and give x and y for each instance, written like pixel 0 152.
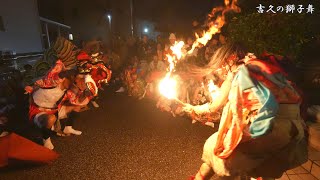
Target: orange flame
pixel 214 27
pixel 167 87
pixel 177 49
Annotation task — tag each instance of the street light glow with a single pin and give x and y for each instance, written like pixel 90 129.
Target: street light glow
pixel 109 16
pixel 146 30
pixel 70 37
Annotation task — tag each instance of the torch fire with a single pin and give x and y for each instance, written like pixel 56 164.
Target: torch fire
pixel 168 85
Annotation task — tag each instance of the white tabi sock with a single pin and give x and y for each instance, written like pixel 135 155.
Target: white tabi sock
pixel 95 104
pixel 48 144
pixel 70 130
pixel 121 89
pixel 211 124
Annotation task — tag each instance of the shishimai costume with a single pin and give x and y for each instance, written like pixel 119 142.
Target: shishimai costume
pixel 51 97
pixel 94 66
pixel 92 74
pixel 261 133
pixel 46 99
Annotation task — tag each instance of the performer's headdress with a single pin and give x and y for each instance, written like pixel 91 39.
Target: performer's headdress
pixel 96 58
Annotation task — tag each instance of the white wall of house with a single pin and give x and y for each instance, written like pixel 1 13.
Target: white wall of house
pixel 22 26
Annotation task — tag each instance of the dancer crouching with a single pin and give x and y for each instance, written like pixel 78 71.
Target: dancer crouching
pixel 45 100
pixel 261 132
pixel 81 92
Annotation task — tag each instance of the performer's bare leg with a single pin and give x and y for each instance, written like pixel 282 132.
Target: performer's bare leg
pixel 205 172
pixel 68 122
pixel 46 121
pixel 51 120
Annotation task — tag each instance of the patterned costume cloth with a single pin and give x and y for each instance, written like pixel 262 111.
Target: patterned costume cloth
pixel 76 97
pixel 261 132
pixel 103 75
pixel 52 79
pixel 47 99
pixel 95 67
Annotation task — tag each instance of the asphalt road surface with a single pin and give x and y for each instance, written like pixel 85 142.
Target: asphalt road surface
pixel 124 139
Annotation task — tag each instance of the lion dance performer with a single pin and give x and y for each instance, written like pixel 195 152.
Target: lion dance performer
pixel 261 133
pixel 93 66
pixel 48 94
pixel 46 99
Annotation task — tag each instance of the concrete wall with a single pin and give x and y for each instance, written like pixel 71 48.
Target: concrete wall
pixel 22 26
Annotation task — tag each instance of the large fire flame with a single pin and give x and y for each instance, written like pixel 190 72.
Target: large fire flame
pixel 167 86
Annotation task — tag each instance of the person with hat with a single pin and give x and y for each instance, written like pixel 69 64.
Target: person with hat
pixel 167 50
pixel 172 41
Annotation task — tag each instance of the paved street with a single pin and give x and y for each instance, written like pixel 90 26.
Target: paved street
pixel 124 139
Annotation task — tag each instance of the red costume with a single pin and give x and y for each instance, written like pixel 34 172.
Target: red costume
pixel 98 71
pixel 47 98
pixel 15 148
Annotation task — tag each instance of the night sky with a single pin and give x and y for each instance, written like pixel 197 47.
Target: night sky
pixel 169 15
pixel 179 9
pixel 177 15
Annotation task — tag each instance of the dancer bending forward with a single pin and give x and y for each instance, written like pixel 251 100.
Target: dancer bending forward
pixel 261 133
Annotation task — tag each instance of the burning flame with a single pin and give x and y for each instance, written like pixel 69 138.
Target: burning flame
pixel 167 86
pixel 177 49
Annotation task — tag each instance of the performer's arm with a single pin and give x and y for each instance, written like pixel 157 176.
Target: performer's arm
pixel 222 98
pixel 52 78
pixel 78 99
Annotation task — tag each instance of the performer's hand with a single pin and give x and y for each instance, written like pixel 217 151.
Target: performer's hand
pixel 188 108
pixel 28 89
pixel 200 109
